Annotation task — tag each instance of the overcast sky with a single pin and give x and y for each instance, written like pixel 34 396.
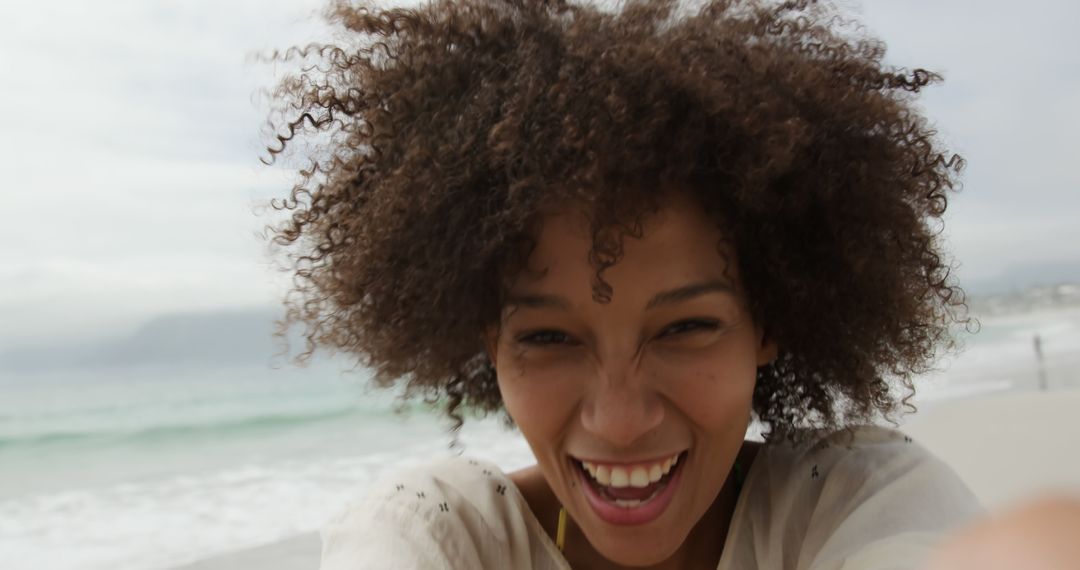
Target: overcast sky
pixel 130 148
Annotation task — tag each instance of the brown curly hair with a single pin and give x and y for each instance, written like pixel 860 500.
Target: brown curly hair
pixel 440 132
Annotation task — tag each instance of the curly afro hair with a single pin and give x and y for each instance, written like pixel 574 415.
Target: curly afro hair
pixel 440 132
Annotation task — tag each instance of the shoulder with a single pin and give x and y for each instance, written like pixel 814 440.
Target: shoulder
pixel 870 452
pixel 429 490
pixel 861 464
pixel 865 452
pixel 864 493
pixel 457 512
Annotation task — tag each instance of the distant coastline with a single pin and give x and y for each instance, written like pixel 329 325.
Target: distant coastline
pixel 1026 300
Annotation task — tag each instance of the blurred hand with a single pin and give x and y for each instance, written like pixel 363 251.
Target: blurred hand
pixel 1041 535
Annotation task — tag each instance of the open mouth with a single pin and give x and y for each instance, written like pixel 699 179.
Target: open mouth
pixel 630 493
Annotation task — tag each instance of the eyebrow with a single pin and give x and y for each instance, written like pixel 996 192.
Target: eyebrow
pixel 663 298
pixel 689 292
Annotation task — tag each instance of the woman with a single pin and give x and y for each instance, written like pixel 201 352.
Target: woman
pixel 633 232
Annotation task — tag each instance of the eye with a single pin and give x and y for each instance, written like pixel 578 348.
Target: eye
pixel 545 338
pixel 689 326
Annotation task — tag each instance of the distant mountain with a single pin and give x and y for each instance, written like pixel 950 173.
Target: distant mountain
pixel 188 339
pixel 244 336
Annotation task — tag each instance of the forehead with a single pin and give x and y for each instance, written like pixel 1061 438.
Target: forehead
pixel 679 244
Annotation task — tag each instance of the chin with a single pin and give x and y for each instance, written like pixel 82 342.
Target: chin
pixel 635 550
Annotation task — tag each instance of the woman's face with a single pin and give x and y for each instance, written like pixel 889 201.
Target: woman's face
pixel 664 371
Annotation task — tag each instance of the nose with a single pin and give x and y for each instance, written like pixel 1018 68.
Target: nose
pixel 621 408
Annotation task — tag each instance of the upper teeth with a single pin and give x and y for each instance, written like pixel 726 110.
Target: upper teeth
pixel 630 475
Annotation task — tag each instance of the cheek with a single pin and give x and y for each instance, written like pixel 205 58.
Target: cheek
pixel 714 389
pixel 539 398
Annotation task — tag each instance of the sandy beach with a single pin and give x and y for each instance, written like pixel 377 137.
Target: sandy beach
pixel 1007 446
pixel 298 552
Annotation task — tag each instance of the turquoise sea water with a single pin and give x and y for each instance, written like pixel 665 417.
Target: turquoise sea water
pixel 150 467
pixel 125 422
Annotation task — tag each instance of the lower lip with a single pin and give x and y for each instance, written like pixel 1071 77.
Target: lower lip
pixel 641 514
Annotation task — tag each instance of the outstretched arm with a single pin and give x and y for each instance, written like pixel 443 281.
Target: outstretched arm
pixel 1041 535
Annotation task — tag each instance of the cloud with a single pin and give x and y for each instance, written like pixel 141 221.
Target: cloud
pixel 1008 105
pixel 131 146
pixel 132 182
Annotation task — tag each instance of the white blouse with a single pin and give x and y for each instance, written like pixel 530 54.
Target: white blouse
pixel 871 500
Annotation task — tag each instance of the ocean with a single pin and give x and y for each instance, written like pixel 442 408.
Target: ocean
pixel 152 467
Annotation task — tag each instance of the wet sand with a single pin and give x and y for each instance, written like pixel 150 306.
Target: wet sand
pixel 297 553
